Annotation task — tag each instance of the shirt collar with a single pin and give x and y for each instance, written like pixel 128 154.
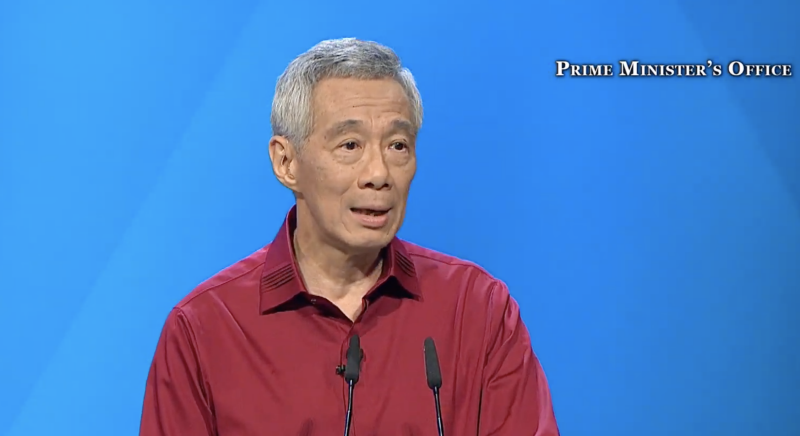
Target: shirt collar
pixel 281 281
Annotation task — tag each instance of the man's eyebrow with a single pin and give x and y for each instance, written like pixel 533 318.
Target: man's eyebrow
pixel 343 127
pixel 347 126
pixel 403 126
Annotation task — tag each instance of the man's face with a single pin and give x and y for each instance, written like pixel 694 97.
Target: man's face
pixel 354 173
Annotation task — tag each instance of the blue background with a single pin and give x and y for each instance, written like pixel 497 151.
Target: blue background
pixel 649 228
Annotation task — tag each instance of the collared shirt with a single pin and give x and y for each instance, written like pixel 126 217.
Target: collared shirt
pixel 251 353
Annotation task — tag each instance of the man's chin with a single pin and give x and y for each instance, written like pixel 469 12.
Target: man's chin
pixel 365 241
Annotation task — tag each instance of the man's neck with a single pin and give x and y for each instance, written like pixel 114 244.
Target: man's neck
pixel 332 273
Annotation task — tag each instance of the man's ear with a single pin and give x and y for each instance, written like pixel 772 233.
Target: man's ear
pixel 283 155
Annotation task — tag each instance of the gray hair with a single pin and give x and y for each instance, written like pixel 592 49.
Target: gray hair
pixel 292 114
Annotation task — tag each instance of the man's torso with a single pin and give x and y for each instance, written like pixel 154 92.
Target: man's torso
pixel 275 373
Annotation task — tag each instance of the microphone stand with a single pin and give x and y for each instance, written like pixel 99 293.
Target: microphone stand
pixel 348 417
pixel 439 423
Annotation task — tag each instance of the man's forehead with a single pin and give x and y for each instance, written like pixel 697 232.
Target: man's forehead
pixel 349 125
pixel 343 105
pixel 336 95
pixel 351 85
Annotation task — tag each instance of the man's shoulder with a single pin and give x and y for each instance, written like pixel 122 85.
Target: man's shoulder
pixel 428 257
pixel 462 276
pixel 241 276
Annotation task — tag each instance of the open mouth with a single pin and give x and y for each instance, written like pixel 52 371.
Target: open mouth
pixel 370 212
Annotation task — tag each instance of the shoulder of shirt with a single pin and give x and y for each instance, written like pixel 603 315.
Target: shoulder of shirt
pixel 228 277
pixel 428 261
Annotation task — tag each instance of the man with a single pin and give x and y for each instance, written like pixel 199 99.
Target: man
pixel 259 349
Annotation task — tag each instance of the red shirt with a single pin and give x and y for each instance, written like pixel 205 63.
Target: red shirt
pixel 251 353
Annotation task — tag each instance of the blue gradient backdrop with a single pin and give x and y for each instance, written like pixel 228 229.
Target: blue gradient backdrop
pixel 649 228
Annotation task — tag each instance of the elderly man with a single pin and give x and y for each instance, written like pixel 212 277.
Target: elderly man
pixel 322 331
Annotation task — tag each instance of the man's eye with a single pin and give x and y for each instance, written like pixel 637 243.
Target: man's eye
pixel 350 146
pixel 399 146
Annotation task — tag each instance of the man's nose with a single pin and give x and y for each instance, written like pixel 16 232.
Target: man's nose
pixel 376 173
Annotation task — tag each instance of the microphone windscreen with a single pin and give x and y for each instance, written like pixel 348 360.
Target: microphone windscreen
pixel 432 370
pixel 353 367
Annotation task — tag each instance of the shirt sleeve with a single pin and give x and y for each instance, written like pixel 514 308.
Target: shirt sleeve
pixel 516 399
pixel 175 399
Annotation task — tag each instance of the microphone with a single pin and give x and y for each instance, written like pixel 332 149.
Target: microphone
pixel 351 372
pixel 434 375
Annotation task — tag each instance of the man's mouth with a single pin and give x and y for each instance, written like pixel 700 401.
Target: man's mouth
pixel 370 212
